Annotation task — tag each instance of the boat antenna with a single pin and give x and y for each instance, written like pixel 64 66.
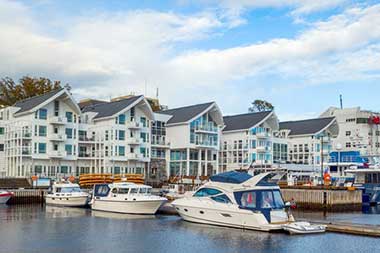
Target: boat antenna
pixel 341 101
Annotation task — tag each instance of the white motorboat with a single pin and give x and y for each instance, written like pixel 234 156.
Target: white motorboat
pixel 5 196
pixel 66 194
pixel 125 197
pixel 304 228
pixel 235 199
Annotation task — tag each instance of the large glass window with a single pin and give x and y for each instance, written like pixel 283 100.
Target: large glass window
pixel 42 130
pixel 42 148
pixel 121 119
pixel 260 199
pixel 221 199
pixel 121 151
pixel 121 135
pixel 69 116
pixel 69 149
pixel 1 130
pixel 205 192
pixel 69 133
pixel 42 113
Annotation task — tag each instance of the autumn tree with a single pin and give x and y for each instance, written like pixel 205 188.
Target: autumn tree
pixel 260 106
pixel 11 92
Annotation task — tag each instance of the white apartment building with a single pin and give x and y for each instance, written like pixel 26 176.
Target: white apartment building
pixel 309 141
pixel 49 135
pixel 194 134
pixel 247 141
pixel 359 130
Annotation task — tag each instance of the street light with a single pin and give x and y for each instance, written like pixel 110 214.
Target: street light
pixel 338 148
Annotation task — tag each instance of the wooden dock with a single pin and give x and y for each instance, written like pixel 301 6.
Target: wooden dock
pixel 348 228
pixel 27 196
pixel 320 198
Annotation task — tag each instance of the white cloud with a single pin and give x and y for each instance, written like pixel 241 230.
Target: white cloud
pixel 109 54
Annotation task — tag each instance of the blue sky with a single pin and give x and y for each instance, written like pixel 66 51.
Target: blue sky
pixel 298 54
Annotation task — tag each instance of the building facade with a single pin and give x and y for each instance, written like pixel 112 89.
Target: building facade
pixel 194 134
pixel 359 131
pixel 51 136
pixel 309 141
pixel 247 141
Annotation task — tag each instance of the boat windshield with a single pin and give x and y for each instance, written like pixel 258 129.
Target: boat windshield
pixel 260 199
pixel 205 192
pixel 69 189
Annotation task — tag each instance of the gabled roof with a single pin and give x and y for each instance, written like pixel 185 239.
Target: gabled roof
pixel 109 109
pixel 306 127
pixel 184 114
pixel 88 102
pixel 244 121
pixel 30 103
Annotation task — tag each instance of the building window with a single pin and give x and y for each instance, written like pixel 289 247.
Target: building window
pixel 56 108
pixel 143 151
pixel 361 121
pixel 144 137
pixel 41 130
pixel 121 119
pixel 348 133
pixel 42 113
pixel 42 148
pixel 69 133
pixel 143 121
pixel 69 117
pixel 69 149
pixel 121 151
pixel 1 130
pixel 121 135
pixel 348 144
pixel 1 147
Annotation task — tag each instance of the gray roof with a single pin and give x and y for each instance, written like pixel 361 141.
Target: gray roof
pixel 243 121
pixel 110 108
pixel 305 127
pixel 184 114
pixel 30 103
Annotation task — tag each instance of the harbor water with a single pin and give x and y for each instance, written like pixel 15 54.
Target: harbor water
pixel 35 228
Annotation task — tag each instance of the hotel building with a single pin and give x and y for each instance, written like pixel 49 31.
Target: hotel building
pixel 247 141
pixel 309 141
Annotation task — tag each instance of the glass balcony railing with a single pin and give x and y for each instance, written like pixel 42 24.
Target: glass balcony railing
pixel 206 128
pixel 206 143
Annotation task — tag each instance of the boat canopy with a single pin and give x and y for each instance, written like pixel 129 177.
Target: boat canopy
pixel 231 177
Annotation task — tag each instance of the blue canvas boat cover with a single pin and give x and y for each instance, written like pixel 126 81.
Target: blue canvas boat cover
pixel 232 177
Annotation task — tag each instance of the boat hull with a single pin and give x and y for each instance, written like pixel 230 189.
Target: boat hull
pixel 71 201
pixel 227 217
pixel 4 197
pixel 129 207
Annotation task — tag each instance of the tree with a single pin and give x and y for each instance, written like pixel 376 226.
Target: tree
pixel 10 92
pixel 260 106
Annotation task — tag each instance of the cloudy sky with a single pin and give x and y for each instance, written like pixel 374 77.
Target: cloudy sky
pixel 298 54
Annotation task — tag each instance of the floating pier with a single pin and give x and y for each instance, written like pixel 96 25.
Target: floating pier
pixel 27 196
pixel 323 198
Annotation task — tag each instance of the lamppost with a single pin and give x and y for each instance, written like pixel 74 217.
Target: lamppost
pixel 338 149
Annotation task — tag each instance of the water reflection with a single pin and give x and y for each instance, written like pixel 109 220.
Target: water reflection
pixel 56 229
pixel 111 215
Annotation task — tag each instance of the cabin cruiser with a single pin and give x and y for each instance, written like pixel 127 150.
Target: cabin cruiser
pixel 66 194
pixel 239 200
pixel 5 196
pixel 125 197
pixel 367 180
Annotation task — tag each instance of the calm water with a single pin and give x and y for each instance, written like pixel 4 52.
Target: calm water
pixel 54 229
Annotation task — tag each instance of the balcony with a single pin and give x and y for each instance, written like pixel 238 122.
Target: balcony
pixel 86 139
pixel 58 137
pixel 133 125
pixel 206 143
pixel 56 120
pixel 84 155
pixel 133 141
pixel 134 156
pixel 57 154
pixel 161 143
pixel 27 135
pixel 26 151
pixel 263 149
pixel 206 129
pixel 263 135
